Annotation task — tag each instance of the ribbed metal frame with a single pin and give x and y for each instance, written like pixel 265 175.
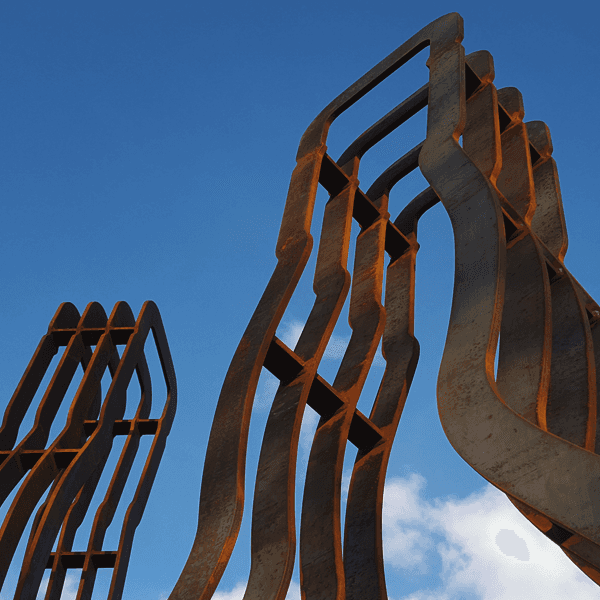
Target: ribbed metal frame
pixel 71 465
pixel 524 433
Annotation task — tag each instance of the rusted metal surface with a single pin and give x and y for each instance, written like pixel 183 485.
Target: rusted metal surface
pixel 531 432
pixel 71 465
pixel 541 457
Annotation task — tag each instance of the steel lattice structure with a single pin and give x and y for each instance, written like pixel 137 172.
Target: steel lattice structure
pixel 530 430
pixel 72 464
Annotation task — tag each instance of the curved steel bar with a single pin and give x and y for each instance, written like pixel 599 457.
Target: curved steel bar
pixel 363 546
pixel 524 359
pixel 524 352
pixel 363 549
pixel 120 317
pixel 321 565
pixel 40 545
pixel 45 470
pixel 571 405
pixel 94 316
pixel 404 111
pixel 441 35
pixel 408 219
pixel 23 395
pixel 149 319
pixel 273 517
pixel 495 440
pixel 526 332
pixel 223 478
pixel 515 180
pixel 393 174
pixel 531 431
pixel 267 491
pixel 479 72
pixel 72 521
pixel 524 355
pixel 548 221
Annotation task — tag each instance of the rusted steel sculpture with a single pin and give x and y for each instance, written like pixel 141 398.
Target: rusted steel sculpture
pixel 531 431
pixel 72 464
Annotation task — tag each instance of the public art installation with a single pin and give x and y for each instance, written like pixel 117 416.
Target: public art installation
pixel 530 430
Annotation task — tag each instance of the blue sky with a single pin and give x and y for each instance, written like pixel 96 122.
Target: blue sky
pixel 146 149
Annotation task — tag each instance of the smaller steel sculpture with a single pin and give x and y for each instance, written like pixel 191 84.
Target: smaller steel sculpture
pixel 72 464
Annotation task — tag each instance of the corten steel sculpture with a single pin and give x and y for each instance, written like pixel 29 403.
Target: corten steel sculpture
pixel 531 431
pixel 72 464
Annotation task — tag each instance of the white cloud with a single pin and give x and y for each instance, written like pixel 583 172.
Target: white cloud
pixel 268 384
pixel 482 548
pixel 237 593
pixel 267 388
pixel 487 549
pixel 427 596
pixel 290 334
pixel 69 591
pixel 336 347
pixel 294 591
pixel 478 547
pixel 307 432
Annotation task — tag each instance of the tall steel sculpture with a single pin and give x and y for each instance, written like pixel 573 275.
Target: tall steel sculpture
pixel 530 430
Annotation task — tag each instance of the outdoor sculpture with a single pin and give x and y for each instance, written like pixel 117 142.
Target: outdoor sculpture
pixel 531 431
pixel 73 463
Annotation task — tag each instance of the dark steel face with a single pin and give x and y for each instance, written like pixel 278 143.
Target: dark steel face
pixel 531 431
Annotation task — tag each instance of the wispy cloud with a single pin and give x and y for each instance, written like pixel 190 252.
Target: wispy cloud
pixel 267 388
pixel 307 432
pixel 290 334
pixel 69 591
pixel 237 593
pixel 478 547
pixel 487 549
